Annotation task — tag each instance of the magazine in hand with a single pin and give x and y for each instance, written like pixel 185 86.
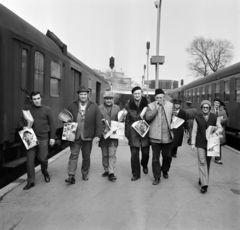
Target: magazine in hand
pixel 121 115
pixel 176 122
pixel 69 127
pixel 142 114
pixel 213 135
pixel 117 130
pixel 142 127
pixel 106 129
pixel 28 137
pixel 28 117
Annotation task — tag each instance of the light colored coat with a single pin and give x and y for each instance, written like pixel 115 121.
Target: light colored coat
pixel 153 116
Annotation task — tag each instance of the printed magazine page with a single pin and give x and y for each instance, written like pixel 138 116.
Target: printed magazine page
pixel 213 141
pixel 117 129
pixel 28 117
pixel 121 115
pixel 65 116
pixel 176 122
pixel 28 137
pixel 142 114
pixel 106 129
pixel 69 131
pixel 142 127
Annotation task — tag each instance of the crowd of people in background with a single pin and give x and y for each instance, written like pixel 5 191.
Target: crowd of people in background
pixel 161 137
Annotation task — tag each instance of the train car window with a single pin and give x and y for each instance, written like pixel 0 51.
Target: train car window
pixel 77 80
pixel 197 95
pixel 217 90
pixel 55 79
pixel 226 90
pixel 39 72
pixel 237 89
pixel 203 93
pixel 90 87
pixel 193 95
pixel 209 92
pixel 24 69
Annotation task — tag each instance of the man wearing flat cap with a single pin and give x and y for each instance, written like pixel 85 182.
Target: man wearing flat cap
pixel 159 113
pixel 178 132
pixel 134 107
pixel 191 112
pixel 87 114
pixel 109 111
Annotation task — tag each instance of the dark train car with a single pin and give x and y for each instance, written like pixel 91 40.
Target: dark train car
pixel 223 84
pixel 31 61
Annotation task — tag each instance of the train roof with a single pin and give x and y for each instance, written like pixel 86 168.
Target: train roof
pixel 129 91
pixel 221 73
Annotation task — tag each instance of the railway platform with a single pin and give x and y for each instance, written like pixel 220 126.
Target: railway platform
pixel 98 204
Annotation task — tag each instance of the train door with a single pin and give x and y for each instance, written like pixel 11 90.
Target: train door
pixel 21 80
pixel 98 92
pixel 77 82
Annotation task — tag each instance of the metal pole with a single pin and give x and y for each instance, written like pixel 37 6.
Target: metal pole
pixel 147 70
pixel 158 41
pixel 112 79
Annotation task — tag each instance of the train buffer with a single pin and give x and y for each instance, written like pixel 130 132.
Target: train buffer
pixel 176 203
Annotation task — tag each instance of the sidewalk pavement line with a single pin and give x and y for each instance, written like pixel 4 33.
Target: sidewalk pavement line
pixel 23 178
pixel 234 150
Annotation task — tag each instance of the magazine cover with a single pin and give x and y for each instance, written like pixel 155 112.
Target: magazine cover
pixel 28 137
pixel 117 129
pixel 69 131
pixel 176 122
pixel 122 115
pixel 65 116
pixel 142 127
pixel 28 117
pixel 106 130
pixel 213 135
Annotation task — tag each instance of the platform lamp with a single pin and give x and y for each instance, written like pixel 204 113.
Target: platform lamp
pixel 148 47
pixel 111 65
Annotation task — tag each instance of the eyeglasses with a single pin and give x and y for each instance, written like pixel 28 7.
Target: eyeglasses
pixel 205 107
pixel 108 98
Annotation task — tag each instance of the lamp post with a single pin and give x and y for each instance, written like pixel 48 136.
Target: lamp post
pixel 148 47
pixel 158 6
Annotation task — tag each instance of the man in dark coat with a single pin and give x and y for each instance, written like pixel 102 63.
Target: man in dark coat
pixel 178 132
pixel 87 114
pixel 134 108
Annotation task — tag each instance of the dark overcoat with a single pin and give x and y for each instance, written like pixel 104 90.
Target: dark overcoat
pixel 134 139
pixel 178 133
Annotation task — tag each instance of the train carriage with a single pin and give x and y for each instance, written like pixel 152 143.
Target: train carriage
pixel 31 61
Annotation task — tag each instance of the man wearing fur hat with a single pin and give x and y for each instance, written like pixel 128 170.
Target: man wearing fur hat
pixel 134 107
pixel 87 114
pixel 159 113
pixel 109 111
pixel 199 140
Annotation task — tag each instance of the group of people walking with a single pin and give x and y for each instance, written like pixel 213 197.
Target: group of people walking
pixel 161 137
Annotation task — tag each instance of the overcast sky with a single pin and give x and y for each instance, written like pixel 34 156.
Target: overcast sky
pixel 95 30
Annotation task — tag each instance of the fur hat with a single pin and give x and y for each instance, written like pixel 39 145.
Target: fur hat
pixel 108 94
pixel 136 88
pixel 159 91
pixel 206 102
pixel 83 88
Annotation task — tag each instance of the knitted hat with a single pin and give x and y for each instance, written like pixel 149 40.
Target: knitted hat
pixel 108 94
pixel 135 88
pixel 206 102
pixel 83 88
pixel 159 91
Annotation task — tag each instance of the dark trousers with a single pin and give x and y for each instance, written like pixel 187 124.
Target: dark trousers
pixel 173 153
pixel 86 147
pixel 41 151
pixel 220 157
pixel 166 154
pixel 135 161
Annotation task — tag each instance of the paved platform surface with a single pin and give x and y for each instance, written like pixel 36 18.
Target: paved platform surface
pixel 98 204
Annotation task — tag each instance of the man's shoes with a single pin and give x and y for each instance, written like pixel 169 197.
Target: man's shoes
pixel 175 156
pixel 145 170
pixel 70 179
pixel 165 175
pixel 85 177
pixel 218 162
pixel 203 189
pixel 134 178
pixel 29 185
pixel 112 177
pixel 156 181
pixel 105 174
pixel 47 178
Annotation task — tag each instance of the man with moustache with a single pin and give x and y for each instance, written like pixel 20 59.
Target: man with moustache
pixel 87 114
pixel 109 111
pixel 134 107
pixel 159 113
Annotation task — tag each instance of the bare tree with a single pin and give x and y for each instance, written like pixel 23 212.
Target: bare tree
pixel 209 55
